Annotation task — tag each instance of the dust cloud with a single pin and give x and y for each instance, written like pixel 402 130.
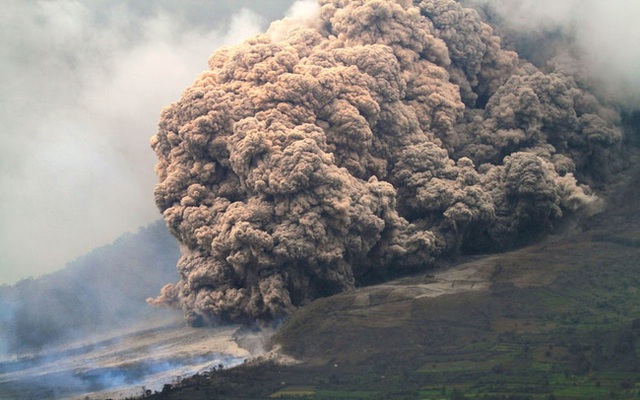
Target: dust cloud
pixel 375 138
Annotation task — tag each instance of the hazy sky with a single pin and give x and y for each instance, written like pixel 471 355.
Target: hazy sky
pixel 82 84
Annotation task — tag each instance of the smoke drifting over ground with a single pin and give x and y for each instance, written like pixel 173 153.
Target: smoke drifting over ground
pixel 99 292
pixel 379 136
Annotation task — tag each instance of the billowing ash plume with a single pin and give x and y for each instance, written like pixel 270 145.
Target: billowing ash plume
pixel 380 137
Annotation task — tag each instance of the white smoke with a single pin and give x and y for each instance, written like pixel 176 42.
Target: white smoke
pixel 303 13
pixel 605 33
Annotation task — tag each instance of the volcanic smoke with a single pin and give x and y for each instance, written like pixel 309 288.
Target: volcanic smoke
pixel 376 137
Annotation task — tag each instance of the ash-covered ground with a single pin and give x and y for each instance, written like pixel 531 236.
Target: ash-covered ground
pixel 121 364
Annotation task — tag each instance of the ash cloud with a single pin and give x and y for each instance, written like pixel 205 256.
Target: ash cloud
pixel 81 84
pixel 375 139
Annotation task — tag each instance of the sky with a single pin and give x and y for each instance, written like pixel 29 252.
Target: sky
pixel 82 84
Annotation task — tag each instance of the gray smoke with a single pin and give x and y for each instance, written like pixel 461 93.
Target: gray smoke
pixel 81 84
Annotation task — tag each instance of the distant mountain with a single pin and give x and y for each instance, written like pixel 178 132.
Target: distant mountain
pixel 102 290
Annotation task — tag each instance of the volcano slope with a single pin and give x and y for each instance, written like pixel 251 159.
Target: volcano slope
pixel 558 319
pixel 383 139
